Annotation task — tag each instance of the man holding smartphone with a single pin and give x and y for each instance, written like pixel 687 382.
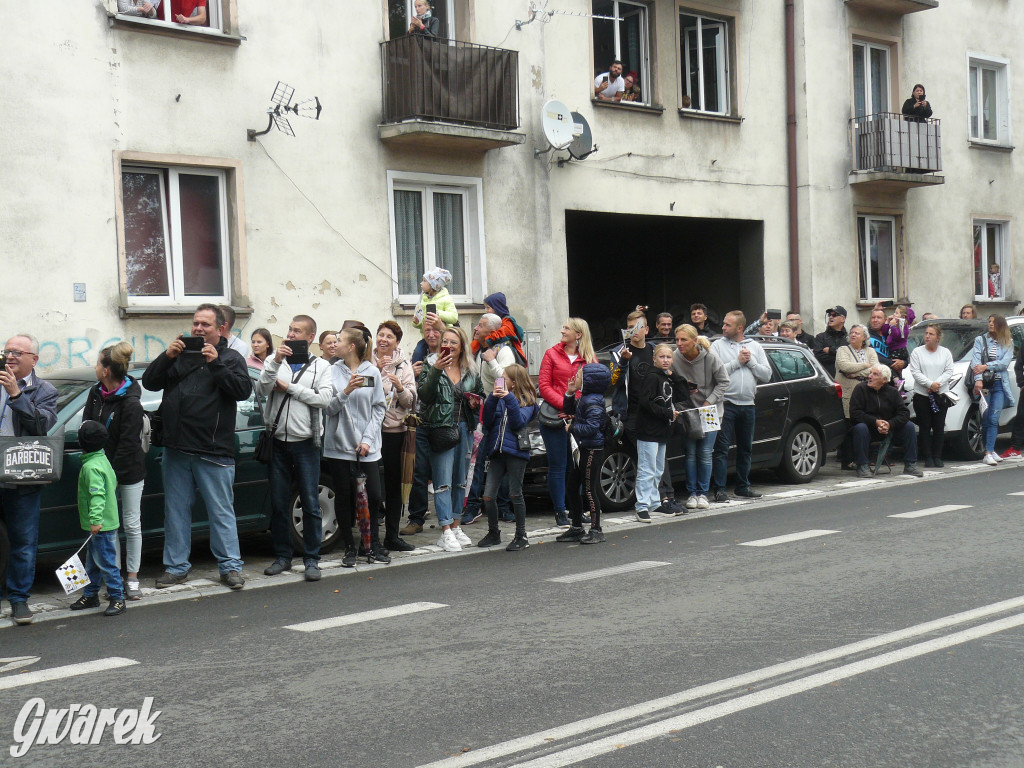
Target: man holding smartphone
pixel 297 388
pixel 608 86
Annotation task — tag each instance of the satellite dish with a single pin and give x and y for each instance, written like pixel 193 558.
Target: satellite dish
pixel 558 124
pixel 583 140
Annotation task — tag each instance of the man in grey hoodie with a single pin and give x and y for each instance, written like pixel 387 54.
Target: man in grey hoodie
pixel 296 395
pixel 747 366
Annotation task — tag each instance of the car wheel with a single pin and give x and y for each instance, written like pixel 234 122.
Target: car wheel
pixel 617 481
pixel 5 554
pixel 968 442
pixel 329 518
pixel 802 454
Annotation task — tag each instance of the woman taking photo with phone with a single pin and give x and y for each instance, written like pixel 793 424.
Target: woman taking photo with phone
pixel 445 418
pixel 352 441
pixel 560 363
pixel 990 363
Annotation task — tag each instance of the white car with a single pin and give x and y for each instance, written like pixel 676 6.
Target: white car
pixel 963 421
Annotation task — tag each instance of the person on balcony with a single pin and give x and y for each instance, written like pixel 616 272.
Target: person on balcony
pixel 917 108
pixel 424 22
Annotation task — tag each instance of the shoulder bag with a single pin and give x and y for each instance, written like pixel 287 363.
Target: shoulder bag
pixel 988 377
pixel 264 451
pixel 549 416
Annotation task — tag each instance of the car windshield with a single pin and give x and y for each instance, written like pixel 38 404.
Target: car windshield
pixel 958 339
pixel 68 390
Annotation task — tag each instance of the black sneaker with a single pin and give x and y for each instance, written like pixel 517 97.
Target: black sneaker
pixel 721 497
pixel 572 535
pixel 594 536
pixel 312 572
pixel 348 560
pixel 643 516
pixel 232 579
pixel 748 493
pixel 92 601
pixel 863 470
pixel 562 520
pixel 168 579
pixel 378 554
pixel 911 468
pixel 492 539
pixel 115 608
pixel 398 545
pixel 21 613
pixel 518 544
pixel 278 566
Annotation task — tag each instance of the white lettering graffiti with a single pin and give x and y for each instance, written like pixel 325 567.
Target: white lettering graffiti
pixel 82 724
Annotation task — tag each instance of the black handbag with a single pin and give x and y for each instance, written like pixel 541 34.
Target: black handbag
pixel 32 459
pixel 264 451
pixel 441 439
pixel 549 416
pixel 988 378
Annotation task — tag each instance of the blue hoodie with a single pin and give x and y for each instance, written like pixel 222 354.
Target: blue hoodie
pixel 590 413
pixel 503 417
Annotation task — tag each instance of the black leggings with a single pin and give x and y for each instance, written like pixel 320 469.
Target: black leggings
pixel 586 475
pixel 344 474
pixel 932 427
pixel 391 464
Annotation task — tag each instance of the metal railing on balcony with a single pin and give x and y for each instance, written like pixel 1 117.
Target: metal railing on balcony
pixel 887 141
pixel 450 82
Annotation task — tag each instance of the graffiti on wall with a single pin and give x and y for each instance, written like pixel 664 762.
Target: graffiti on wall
pixel 77 351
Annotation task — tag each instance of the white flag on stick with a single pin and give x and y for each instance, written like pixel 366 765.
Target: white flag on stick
pixel 72 575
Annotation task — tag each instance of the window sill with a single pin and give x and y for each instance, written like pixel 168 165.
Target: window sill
pixel 400 309
pixel 870 303
pixel 628 106
pixel 692 114
pixel 1001 302
pixel 155 310
pixel 163 28
pixel 973 144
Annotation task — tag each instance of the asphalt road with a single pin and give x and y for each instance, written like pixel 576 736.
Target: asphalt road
pixel 889 642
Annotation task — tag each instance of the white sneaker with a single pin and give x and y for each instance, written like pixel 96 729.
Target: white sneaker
pixel 989 459
pixel 996 456
pixel 702 502
pixel 448 542
pixel 691 503
pixel 461 537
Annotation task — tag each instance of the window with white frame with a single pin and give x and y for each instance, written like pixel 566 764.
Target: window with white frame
pixel 989 103
pixel 199 14
pixel 876 249
pixel 704 57
pixel 437 221
pixel 175 234
pixel 871 78
pixel 400 13
pixel 990 278
pixel 625 37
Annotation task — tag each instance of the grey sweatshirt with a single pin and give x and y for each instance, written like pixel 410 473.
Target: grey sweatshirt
pixel 743 379
pixel 302 417
pixel 707 372
pixel 356 418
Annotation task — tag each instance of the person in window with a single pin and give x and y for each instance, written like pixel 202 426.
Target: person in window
pixel 995 282
pixel 191 12
pixel 631 91
pixel 262 342
pixel 917 108
pixel 608 86
pixel 424 22
pixel 140 8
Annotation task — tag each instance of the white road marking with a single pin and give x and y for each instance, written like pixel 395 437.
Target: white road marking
pixel 359 618
pixel 794 493
pixel 16 662
pixel 787 538
pixel 58 673
pixel 640 565
pixel 932 510
pixel 707 714
pixel 1016 493
pixel 608 719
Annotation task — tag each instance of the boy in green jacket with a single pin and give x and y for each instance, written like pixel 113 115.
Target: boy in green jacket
pixel 97 512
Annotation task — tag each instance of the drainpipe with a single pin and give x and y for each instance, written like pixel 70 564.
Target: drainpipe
pixel 794 226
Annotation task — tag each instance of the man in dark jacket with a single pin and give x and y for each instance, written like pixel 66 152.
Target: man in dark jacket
pixel 198 412
pixel 28 406
pixel 831 339
pixel 801 335
pixel 878 411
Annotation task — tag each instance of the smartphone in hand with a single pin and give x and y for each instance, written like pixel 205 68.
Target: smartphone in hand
pixel 194 344
pixel 431 309
pixel 499 382
pixel 300 351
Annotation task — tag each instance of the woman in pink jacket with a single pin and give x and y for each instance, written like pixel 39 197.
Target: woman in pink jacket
pixel 560 363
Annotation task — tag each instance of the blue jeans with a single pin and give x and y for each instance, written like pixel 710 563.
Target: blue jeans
pixel 101 565
pixel 421 476
pixel 183 474
pixel 738 426
pixel 474 496
pixel 990 422
pixel 460 469
pixel 698 464
pixel 905 436
pixel 556 443
pixel 650 461
pixel 20 511
pixel 298 461
pixel 441 470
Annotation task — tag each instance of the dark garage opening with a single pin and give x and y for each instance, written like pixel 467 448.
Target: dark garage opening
pixel 616 261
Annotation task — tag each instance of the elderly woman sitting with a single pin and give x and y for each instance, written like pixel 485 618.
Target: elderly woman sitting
pixel 877 411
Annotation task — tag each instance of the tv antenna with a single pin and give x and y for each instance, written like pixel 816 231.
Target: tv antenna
pixel 282 101
pixel 540 12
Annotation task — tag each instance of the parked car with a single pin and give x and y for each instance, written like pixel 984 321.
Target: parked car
pixel 59 531
pixel 799 420
pixel 963 420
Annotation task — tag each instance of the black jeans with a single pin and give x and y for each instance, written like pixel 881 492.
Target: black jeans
pixel 298 463
pixel 583 480
pixel 391 466
pixel 932 427
pixel 500 468
pixel 344 473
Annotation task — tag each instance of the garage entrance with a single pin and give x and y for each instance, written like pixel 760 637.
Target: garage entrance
pixel 616 261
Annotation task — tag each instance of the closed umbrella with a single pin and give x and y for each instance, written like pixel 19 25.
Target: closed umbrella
pixel 408 460
pixel 363 510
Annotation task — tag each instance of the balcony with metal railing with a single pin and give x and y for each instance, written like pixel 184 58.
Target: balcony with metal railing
pixel 449 95
pixel 896 7
pixel 894 151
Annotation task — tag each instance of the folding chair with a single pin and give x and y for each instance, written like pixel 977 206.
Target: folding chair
pixel 883 450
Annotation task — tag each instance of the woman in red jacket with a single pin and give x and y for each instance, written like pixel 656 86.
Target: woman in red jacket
pixel 560 363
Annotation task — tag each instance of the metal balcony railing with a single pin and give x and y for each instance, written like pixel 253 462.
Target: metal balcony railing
pixel 887 141
pixel 450 82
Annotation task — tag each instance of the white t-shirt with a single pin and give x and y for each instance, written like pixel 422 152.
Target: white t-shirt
pixel 235 343
pixel 618 85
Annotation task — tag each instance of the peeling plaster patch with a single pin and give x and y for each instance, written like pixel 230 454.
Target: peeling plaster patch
pixel 538 79
pixel 316 305
pixel 272 319
pixel 324 286
pixel 55 316
pixel 337 291
pixel 273 302
pixel 362 278
pixel 290 285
